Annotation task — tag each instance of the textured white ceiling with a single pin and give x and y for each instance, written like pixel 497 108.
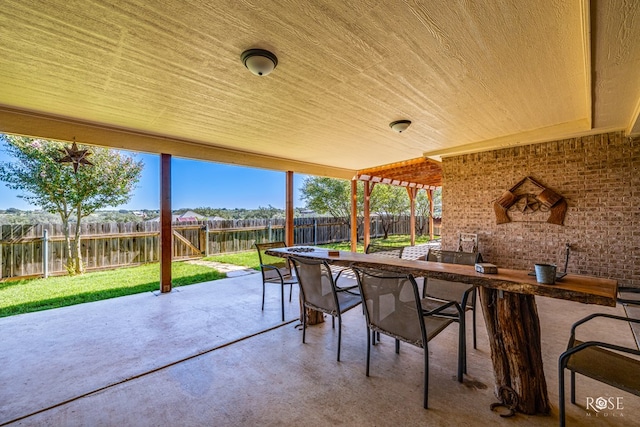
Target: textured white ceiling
pixel 469 75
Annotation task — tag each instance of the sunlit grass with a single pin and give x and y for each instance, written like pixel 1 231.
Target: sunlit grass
pixel 23 296
pixel 250 258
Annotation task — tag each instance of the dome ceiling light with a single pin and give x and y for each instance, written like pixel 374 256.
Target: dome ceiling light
pixel 400 125
pixel 260 62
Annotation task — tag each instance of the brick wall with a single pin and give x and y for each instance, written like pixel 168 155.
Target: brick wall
pixel 599 176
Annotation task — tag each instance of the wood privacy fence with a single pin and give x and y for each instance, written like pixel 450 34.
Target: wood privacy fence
pixel 40 250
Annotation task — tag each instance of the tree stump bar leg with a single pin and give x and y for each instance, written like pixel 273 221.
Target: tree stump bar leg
pixel 314 317
pixel 514 336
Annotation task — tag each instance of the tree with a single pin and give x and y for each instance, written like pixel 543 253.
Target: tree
pixel 423 209
pixel 265 213
pixel 389 202
pixel 331 196
pixel 56 188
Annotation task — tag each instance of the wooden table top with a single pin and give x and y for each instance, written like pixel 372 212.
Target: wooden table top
pixel 573 287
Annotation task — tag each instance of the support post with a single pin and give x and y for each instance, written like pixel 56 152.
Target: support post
pixel 288 228
pixel 413 191
pixel 45 253
pixel 166 233
pixel 431 210
pixel 368 189
pixel 354 215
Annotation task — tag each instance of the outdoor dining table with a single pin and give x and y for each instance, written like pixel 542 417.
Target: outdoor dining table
pixel 509 308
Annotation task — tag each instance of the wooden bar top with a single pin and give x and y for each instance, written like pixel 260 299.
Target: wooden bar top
pixel 573 287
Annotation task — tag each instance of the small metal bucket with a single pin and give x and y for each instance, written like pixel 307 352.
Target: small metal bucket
pixel 546 273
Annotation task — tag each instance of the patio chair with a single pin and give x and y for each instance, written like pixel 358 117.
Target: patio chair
pixel 390 251
pixel 393 307
pixel 445 290
pixel 319 292
pixel 605 362
pixel 383 250
pixel 275 270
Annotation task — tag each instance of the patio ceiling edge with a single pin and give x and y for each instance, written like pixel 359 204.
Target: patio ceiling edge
pixel 38 125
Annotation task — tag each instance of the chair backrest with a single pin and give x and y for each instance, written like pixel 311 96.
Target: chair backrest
pixel 389 251
pixel 317 287
pixel 468 240
pixel 446 289
pixel 282 264
pixel 453 257
pixel 392 305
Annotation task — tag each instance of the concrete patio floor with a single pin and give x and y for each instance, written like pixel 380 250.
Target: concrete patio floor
pixel 206 355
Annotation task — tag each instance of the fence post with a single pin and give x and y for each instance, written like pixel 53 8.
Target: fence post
pixel 268 230
pixel 206 239
pixel 45 253
pixel 315 232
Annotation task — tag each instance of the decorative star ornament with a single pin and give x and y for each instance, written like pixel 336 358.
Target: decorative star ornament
pixel 529 204
pixel 75 156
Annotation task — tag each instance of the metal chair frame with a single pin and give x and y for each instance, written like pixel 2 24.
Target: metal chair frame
pixel 468 299
pixel 283 276
pixel 342 299
pixel 426 319
pixel 578 355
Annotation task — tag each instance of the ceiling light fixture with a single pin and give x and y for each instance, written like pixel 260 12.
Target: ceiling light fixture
pixel 260 62
pixel 400 125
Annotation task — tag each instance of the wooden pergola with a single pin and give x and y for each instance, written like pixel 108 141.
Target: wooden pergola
pixel 414 174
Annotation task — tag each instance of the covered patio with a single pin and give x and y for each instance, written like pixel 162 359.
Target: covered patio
pixel 207 355
pixel 495 91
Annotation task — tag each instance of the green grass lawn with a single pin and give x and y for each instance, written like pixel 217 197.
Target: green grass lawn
pixel 24 296
pixel 250 258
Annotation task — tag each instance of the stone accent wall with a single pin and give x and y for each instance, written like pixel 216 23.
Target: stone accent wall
pixel 599 176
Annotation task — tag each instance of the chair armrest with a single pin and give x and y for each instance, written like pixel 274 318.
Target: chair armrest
pixel 272 267
pixel 593 316
pixel 564 357
pixel 465 296
pixel 442 308
pixel 630 290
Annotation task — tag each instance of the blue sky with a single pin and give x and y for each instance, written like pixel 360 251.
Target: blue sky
pixel 194 184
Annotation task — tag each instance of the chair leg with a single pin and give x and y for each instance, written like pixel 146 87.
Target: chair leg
pixel 304 322
pixel 282 300
pixel 397 346
pixel 290 292
pixel 373 337
pixel 333 322
pixel 339 334
pixel 370 333
pixel 561 408
pixel 573 387
pixel 426 377
pixel 263 286
pixel 473 305
pixel 462 348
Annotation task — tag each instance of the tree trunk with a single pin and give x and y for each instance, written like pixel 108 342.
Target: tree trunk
pixel 67 240
pixel 79 266
pixel 514 336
